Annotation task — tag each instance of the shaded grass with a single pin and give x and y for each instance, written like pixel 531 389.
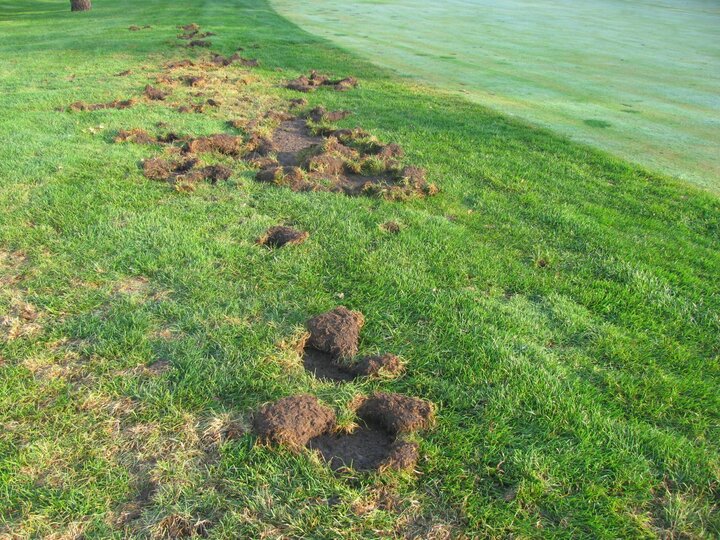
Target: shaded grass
pixel 559 306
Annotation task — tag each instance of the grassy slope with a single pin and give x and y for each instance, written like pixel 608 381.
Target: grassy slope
pixel 576 399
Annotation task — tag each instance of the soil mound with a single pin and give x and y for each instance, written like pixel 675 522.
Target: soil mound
pixel 396 413
pixel 293 421
pixel 281 235
pixel 336 332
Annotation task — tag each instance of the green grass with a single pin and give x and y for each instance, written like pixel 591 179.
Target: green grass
pixel 638 79
pixel 558 305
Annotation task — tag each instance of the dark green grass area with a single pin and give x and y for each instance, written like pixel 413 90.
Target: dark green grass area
pixel 560 307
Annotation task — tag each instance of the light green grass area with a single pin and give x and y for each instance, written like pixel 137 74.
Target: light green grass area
pixel 558 305
pixel 637 78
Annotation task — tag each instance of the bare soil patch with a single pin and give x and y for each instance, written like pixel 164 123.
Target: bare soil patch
pixel 324 367
pixel 116 104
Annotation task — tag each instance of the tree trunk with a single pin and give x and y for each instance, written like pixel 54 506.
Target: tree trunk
pixel 80 5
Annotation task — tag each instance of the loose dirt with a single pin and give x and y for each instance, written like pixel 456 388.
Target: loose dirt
pixel 324 367
pixel 385 365
pixel 116 104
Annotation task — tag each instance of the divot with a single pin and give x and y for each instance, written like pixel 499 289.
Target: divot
pixel 293 421
pixel 281 235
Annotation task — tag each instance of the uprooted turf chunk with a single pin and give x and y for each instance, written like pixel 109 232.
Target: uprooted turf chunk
pixel 155 94
pixel 157 169
pixel 281 235
pixel 320 114
pixel 293 420
pixel 138 136
pixel 379 365
pixel 336 332
pixel 220 143
pixel 397 413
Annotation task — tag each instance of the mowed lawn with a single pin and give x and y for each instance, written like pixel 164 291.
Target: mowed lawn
pixel 560 307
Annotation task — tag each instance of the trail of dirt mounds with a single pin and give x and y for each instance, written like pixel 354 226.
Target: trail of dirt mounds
pixel 397 413
pixel 116 104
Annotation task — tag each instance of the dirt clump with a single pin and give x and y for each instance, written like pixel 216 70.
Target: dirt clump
pixel 297 102
pixel 200 43
pixel 157 169
pixel 378 365
pixel 184 171
pixel 282 235
pixel 397 413
pixel 336 332
pixel 124 73
pixel 176 64
pixel 154 94
pixel 293 421
pixel 192 27
pixel 393 227
pixel 116 104
pixel 221 143
pixel 194 80
pixel 138 136
pixel 320 114
pixel 315 80
pixel 135 28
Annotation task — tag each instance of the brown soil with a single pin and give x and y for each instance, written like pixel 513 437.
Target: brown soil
pixel 213 102
pixel 124 73
pixel 280 236
pixel 221 143
pixel 324 367
pixel 192 27
pixel 293 421
pixel 154 93
pixel 290 139
pixel 117 104
pixel 379 365
pixel 336 332
pixel 365 449
pixel 397 413
pixel 135 28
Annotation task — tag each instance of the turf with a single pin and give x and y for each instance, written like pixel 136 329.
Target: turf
pixel 637 79
pixel 559 306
